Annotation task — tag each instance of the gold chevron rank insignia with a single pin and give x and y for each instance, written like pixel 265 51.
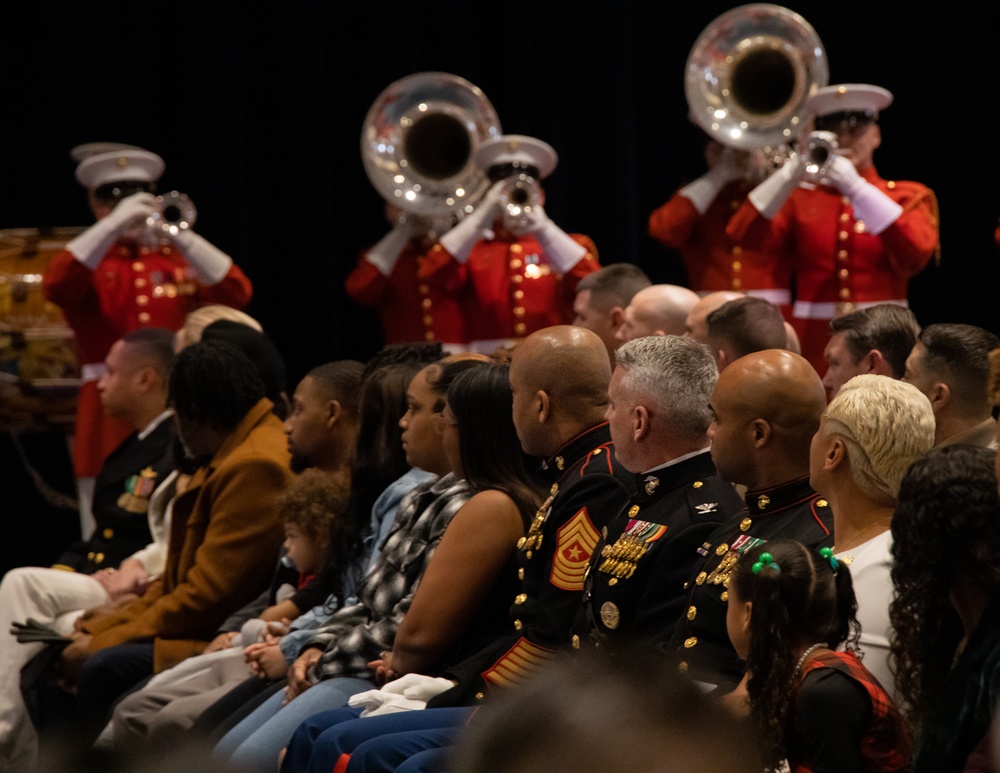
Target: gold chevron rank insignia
pixel 517 663
pixel 575 541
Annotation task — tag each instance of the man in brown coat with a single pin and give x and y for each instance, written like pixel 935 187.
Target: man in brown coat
pixel 225 532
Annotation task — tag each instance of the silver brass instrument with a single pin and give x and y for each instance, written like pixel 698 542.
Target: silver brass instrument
pixel 749 74
pixel 418 139
pixel 820 149
pixel 519 195
pixel 174 212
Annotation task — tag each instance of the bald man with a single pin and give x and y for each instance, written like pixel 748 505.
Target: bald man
pixel 655 311
pixel 559 377
pixel 766 407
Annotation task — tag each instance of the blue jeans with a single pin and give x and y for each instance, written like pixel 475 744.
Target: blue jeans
pixel 254 744
pixel 374 743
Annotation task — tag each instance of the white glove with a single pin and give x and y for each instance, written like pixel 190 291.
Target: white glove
pixel 871 205
pixel 475 226
pixel 408 693
pixel 385 253
pixel 210 264
pixel 703 191
pixel 563 251
pixel 770 195
pixel 92 245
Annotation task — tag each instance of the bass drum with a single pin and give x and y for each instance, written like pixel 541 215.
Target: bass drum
pixel 39 367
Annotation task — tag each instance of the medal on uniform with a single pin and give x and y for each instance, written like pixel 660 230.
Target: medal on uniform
pixel 138 489
pixel 620 559
pixel 730 554
pixel 610 615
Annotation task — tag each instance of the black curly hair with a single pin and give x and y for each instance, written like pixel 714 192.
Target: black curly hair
pixel 801 603
pixel 945 520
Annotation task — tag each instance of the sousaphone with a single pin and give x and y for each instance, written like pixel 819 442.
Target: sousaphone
pixel 749 74
pixel 417 143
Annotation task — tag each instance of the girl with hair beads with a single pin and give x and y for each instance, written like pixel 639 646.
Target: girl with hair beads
pixel 790 607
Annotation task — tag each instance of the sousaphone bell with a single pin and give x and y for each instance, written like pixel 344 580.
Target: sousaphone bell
pixel 417 143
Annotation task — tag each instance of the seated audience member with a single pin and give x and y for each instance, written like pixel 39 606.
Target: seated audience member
pixel 196 321
pixel 262 353
pixel 334 660
pixel 602 297
pixel 791 610
pixel 766 407
pixel 461 603
pixel 742 326
pixel 676 730
pixel 950 364
pixel 113 561
pixel 696 324
pixel 322 431
pixel 871 433
pixel 945 620
pixel 656 310
pixel 224 533
pixel 658 415
pixel 877 340
pixel 322 426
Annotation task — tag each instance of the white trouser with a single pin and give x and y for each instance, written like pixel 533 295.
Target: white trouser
pixel 50 596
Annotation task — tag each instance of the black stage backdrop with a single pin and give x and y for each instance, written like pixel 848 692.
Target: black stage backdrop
pixel 257 108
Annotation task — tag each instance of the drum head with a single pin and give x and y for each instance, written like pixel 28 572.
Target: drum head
pixel 39 368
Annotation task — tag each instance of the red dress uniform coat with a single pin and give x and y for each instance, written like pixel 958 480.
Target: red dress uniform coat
pixel 713 260
pixel 409 309
pixel 225 535
pixel 838 266
pixel 133 287
pixel 508 286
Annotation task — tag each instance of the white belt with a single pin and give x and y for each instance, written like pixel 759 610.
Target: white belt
pixel 809 310
pixel 93 371
pixel 777 297
pixel 488 346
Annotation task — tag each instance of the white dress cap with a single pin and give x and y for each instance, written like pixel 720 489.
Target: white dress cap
pixel 849 98
pixel 516 149
pixel 119 164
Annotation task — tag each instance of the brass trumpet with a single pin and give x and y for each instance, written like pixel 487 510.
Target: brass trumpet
pixel 821 148
pixel 175 212
pixel 519 195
